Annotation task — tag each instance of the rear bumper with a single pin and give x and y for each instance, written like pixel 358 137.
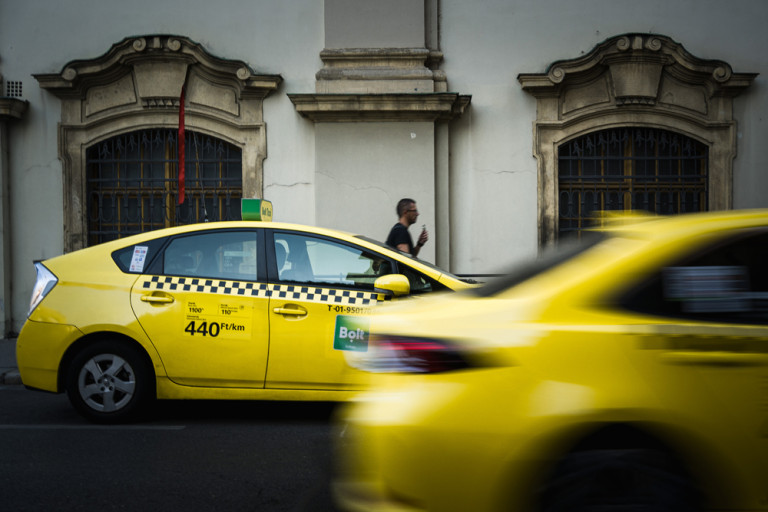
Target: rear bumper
pixel 40 348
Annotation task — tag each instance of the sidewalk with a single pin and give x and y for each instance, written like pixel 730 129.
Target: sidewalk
pixel 9 373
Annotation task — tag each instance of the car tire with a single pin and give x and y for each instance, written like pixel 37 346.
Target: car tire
pixel 614 479
pixel 110 382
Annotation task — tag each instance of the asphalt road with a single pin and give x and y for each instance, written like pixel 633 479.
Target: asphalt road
pixel 190 456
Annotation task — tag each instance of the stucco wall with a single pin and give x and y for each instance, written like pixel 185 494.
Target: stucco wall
pixel 361 178
pixel 486 48
pixel 493 177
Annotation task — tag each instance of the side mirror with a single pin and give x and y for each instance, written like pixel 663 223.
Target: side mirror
pixel 392 285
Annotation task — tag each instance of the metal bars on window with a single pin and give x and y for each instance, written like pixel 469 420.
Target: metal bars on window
pixel 629 168
pixel 132 182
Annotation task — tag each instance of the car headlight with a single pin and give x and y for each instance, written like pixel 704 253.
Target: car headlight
pixel 44 284
pixel 397 354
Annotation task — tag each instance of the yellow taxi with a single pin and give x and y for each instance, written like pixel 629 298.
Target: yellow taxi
pixel 229 310
pixel 627 371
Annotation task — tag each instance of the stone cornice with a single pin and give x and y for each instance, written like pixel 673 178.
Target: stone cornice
pixel 640 51
pixel 380 71
pixel 380 107
pixel 12 108
pixel 78 76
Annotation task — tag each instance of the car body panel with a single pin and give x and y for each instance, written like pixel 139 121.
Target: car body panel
pixel 557 359
pixel 206 338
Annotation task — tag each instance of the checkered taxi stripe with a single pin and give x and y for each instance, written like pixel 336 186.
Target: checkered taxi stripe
pixel 259 290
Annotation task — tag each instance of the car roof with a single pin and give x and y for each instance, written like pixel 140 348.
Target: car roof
pixel 653 226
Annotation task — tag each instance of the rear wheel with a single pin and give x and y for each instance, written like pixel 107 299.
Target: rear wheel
pixel 619 480
pixel 110 382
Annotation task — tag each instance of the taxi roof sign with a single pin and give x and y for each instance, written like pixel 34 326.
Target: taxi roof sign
pixel 256 209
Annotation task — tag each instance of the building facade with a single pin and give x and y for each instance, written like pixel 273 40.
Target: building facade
pixel 511 122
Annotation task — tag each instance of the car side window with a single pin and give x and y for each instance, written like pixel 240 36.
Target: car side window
pixel 135 259
pixel 727 282
pixel 314 260
pixel 231 255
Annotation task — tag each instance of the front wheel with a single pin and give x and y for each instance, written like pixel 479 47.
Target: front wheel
pixel 110 382
pixel 619 480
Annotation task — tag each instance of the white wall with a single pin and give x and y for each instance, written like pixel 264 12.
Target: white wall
pixel 364 169
pixel 486 44
pixel 41 36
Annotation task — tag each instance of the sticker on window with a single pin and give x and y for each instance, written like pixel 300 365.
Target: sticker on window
pixel 139 257
pixel 351 333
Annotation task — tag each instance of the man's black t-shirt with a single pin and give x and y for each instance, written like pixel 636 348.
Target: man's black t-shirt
pixel 399 235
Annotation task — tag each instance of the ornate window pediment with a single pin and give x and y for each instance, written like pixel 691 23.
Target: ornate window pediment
pixel 634 80
pixel 137 85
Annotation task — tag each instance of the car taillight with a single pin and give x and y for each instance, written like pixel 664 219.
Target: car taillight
pixel 44 284
pixel 394 354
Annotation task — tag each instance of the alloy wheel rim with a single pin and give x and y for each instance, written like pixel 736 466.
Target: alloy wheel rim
pixel 106 383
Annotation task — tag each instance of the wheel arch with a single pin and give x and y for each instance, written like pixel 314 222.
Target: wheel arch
pixel 691 454
pixel 95 337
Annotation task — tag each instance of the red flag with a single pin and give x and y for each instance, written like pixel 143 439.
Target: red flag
pixel 181 145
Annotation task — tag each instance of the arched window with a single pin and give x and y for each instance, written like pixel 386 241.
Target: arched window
pixel 132 183
pixel 677 158
pixel 630 168
pixel 117 136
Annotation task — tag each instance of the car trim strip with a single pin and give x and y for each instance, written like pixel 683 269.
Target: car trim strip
pixel 259 290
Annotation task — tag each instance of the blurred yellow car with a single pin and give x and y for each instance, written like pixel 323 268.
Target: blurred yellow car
pixel 627 371
pixel 230 310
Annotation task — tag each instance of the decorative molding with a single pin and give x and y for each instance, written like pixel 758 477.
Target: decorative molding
pixel 634 80
pixel 12 108
pixel 147 56
pixel 380 107
pixel 380 71
pixel 137 85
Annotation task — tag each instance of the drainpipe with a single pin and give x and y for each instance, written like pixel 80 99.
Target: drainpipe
pixel 11 109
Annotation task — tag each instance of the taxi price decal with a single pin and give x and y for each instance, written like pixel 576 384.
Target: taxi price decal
pixel 213 319
pixel 351 333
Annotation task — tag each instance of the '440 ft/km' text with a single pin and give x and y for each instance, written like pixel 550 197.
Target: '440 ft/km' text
pixel 212 329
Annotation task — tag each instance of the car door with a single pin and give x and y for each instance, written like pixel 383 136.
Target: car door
pixel 321 290
pixel 205 309
pixel 707 356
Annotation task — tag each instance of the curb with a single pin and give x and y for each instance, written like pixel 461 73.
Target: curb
pixel 11 378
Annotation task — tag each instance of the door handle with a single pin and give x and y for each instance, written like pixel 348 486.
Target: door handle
pixel 290 311
pixel 157 299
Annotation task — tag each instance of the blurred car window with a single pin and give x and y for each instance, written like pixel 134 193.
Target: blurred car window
pixel 726 282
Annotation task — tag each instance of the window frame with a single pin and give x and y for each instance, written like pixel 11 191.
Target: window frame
pixel 640 80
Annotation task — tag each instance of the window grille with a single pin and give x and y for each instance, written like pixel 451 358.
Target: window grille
pixel 13 89
pixel 625 169
pixel 132 182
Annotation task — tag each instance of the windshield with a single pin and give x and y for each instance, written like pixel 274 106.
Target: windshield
pixel 425 263
pixel 549 258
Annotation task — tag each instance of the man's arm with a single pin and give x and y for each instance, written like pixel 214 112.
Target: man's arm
pixel 423 237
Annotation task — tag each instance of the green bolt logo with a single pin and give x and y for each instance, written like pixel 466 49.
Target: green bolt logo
pixel 351 333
